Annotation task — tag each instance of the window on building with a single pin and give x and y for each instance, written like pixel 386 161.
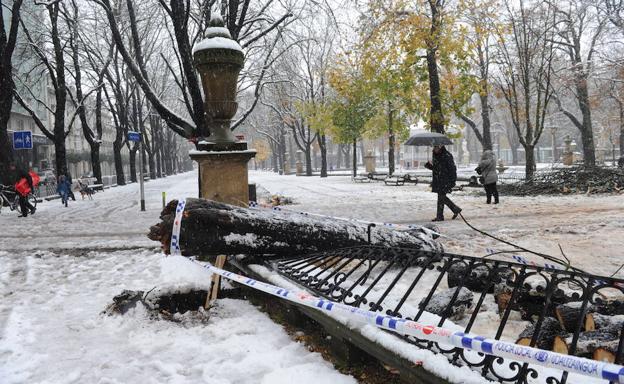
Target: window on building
pixel 20 125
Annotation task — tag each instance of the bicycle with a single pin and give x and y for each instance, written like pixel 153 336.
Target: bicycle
pixel 10 198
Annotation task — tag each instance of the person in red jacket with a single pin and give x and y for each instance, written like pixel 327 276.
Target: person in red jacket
pixel 25 205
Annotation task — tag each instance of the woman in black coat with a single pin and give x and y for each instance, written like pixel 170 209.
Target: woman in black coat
pixel 444 177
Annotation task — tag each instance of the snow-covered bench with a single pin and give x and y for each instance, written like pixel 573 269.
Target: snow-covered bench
pixel 361 179
pixel 400 179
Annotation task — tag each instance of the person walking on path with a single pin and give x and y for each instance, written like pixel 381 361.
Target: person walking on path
pixel 63 189
pixel 22 174
pixel 443 181
pixel 487 170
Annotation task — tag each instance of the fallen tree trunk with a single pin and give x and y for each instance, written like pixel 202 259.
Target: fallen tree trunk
pixel 209 228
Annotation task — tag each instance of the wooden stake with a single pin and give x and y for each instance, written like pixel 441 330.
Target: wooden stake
pixel 216 282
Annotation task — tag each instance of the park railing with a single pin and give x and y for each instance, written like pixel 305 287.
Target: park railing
pixel 542 306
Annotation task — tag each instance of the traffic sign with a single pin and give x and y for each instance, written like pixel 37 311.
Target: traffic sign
pixel 22 140
pixel 134 136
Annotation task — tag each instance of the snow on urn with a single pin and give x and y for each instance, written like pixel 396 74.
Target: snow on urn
pixel 219 59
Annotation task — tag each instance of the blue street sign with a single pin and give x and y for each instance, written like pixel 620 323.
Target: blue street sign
pixel 134 136
pixel 22 140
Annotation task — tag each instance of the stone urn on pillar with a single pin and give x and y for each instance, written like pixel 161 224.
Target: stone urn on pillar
pixel 222 159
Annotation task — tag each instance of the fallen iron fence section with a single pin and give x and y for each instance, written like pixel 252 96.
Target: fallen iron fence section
pixel 568 312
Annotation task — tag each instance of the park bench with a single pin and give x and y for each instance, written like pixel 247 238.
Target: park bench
pixel 361 179
pixel 400 179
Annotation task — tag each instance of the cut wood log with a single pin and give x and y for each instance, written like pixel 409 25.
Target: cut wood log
pixel 479 279
pixel 587 344
pixel 606 354
pixel 439 303
pixel 569 315
pixel 210 228
pixel 596 321
pixel 549 329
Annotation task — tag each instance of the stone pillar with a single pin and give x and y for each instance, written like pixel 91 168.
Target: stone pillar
pixel 369 162
pixel 223 176
pixel 299 163
pixel 286 163
pixel 568 155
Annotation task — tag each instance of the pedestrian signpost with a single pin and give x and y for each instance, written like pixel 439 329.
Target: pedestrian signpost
pixel 136 137
pixel 22 140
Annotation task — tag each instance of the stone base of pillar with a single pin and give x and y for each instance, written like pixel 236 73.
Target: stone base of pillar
pixel 568 158
pixel 299 166
pixel 223 175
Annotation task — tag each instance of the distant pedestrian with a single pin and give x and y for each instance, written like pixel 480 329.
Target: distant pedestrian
pixel 487 170
pixel 443 181
pixel 71 183
pixel 27 186
pixel 63 187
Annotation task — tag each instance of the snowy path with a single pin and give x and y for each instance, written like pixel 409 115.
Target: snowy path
pixel 61 267
pixel 589 228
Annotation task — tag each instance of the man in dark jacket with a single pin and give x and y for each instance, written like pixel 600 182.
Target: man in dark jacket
pixel 25 205
pixel 444 177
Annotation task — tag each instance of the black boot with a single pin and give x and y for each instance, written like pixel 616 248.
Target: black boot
pixel 456 213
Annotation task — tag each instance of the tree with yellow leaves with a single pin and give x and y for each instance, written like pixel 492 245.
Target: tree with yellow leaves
pixel 429 41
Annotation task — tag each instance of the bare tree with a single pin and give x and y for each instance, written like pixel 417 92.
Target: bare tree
pixel 579 29
pixel 248 23
pixel 53 63
pixel 526 72
pixel 8 41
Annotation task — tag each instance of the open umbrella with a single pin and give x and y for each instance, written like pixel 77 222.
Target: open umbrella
pixel 424 139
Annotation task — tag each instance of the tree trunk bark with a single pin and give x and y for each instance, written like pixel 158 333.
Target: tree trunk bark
pixel 133 168
pixel 354 158
pixel 529 168
pixel 95 162
pixel 323 146
pixel 587 135
pixel 121 180
pixel 308 159
pixel 436 115
pixel 390 140
pixel 485 117
pixel 209 227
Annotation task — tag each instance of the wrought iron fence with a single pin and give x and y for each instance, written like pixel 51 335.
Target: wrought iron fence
pixel 566 311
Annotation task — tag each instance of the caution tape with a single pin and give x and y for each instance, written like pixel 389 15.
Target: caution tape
pixel 549 359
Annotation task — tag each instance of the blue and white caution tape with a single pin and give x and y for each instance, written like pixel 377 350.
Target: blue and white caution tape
pixel 579 365
pixel 174 248
pixel 592 368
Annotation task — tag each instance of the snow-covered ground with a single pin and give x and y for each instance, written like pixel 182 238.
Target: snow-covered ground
pixel 590 228
pixel 60 268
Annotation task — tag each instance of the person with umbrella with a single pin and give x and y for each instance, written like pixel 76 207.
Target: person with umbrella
pixel 443 167
pixel 443 181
